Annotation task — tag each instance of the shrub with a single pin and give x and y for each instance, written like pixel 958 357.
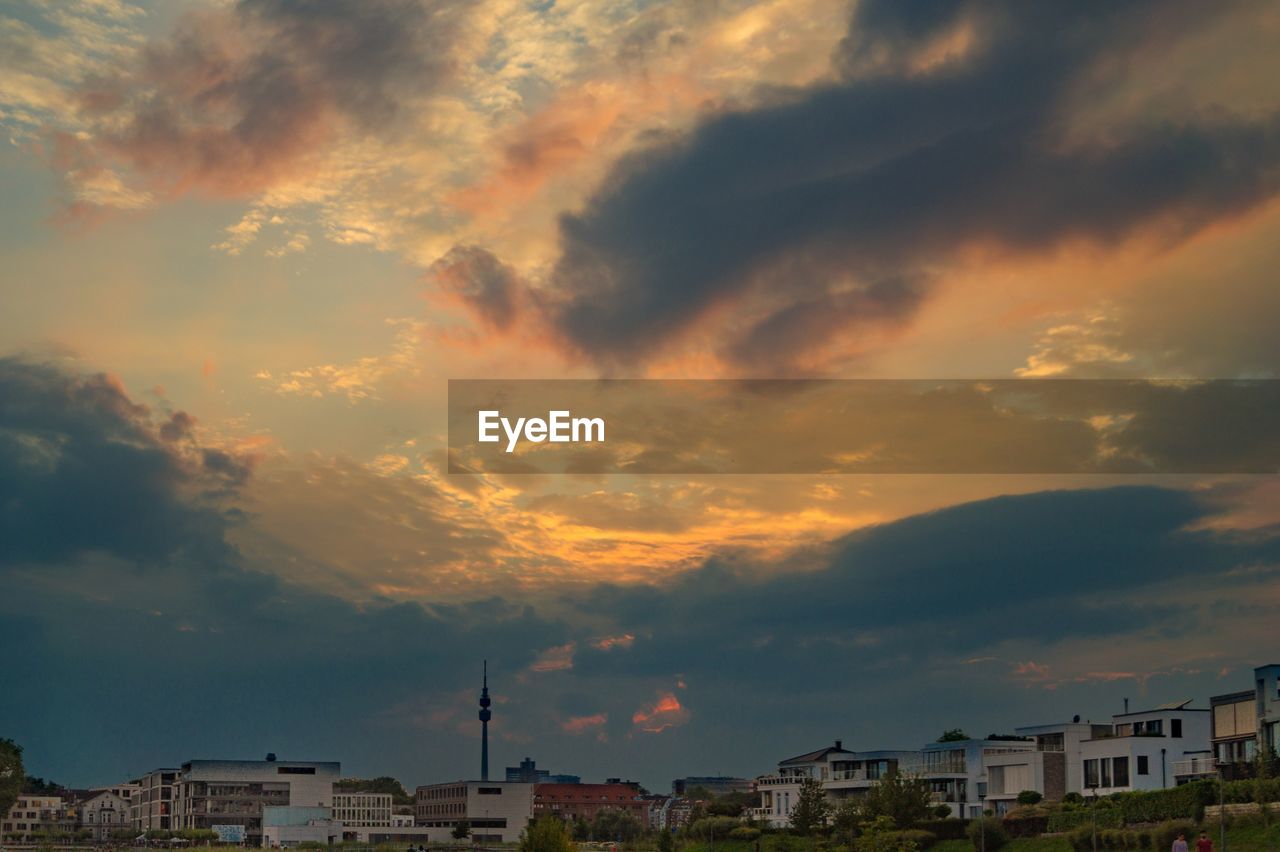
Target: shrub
pixel 1065 821
pixel 744 832
pixel 943 829
pixel 709 828
pixel 987 831
pixel 1163 835
pixel 941 811
pixel 922 839
pixel 1029 797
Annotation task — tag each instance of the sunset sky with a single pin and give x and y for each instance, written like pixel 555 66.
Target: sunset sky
pixel 246 243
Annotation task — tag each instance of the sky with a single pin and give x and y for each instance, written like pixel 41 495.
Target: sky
pixel 247 243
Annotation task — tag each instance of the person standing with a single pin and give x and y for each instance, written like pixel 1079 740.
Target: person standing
pixel 1180 845
pixel 1204 844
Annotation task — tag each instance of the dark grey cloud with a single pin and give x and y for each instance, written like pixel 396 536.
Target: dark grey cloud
pixel 485 284
pixel 83 468
pixel 829 207
pixel 236 97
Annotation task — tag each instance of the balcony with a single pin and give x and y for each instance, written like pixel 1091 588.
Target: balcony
pixel 779 781
pixel 1195 766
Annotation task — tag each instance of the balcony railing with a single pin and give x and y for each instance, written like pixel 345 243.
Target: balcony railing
pixel 1195 766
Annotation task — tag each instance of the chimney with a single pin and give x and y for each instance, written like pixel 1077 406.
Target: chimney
pixel 1126 705
pixel 271 757
pixel 839 745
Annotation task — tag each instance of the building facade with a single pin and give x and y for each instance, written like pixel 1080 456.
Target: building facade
pixel 1052 769
pixel 107 810
pixel 496 811
pixel 32 817
pixel 1246 724
pixel 152 806
pixel 1145 750
pixel 583 801
pixel 222 794
pixel 372 810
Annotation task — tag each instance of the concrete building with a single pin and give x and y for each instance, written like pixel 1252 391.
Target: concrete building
pixel 1246 724
pixel 152 806
pixel 583 801
pixel 225 794
pixel 1145 750
pixel 497 811
pixel 368 810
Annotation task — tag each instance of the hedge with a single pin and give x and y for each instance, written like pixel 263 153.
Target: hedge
pixel 1063 821
pixel 1189 800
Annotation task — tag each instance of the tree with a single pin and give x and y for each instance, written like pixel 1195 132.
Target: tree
pixel 546 834
pixel 812 808
pixel 666 843
pixel 461 831
pixel 581 829
pixel 904 799
pixel 1029 797
pixel 381 784
pixel 845 820
pixel 12 774
pixel 614 824
pixel 953 735
pixel 879 835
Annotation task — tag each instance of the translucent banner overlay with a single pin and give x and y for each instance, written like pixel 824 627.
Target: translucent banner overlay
pixel 1042 426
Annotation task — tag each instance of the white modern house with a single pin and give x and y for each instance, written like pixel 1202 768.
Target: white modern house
pixel 1052 769
pixel 957 770
pixel 1145 750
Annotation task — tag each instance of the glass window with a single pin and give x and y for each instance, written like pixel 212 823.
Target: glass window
pixel 1106 772
pixel 1144 767
pixel 1120 769
pixel 1175 727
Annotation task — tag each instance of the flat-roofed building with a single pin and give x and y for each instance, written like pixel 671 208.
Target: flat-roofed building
pixel 152 807
pixel 371 810
pixel 496 811
pixel 224 794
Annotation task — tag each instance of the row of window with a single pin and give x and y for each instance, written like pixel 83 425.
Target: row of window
pixel 1112 771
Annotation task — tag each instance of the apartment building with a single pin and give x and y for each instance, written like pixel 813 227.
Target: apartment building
pixel 31 816
pixel 228 796
pixel 152 805
pixel 1147 750
pixel 1246 724
pixel 497 811
pixel 583 801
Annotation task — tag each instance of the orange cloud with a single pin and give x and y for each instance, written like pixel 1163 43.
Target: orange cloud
pixel 608 642
pixel 555 659
pixel 666 712
pixel 582 724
